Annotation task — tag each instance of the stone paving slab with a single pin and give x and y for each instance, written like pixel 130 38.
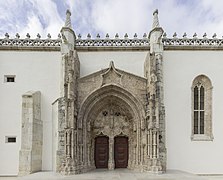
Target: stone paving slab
pixel 120 174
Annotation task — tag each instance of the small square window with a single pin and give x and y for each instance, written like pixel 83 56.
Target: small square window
pixel 9 78
pixel 10 139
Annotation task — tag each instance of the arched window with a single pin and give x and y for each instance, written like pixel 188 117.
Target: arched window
pixel 202 109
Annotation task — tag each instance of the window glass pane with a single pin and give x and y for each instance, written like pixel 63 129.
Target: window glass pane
pixel 10 139
pixel 202 122
pixel 195 122
pixel 202 130
pixel 10 79
pixel 195 130
pixel 202 98
pixel 196 98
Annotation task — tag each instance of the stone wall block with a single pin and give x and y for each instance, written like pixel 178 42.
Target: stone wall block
pixel 30 156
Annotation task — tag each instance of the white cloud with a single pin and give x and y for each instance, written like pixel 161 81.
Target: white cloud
pixel 48 10
pixel 33 26
pixel 30 16
pixel 191 17
pixel 111 16
pixel 126 16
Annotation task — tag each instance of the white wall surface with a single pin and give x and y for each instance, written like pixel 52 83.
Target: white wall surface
pixel 37 71
pixel 132 62
pixel 180 68
pixel 41 71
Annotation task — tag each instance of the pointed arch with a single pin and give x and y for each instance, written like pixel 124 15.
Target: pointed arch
pixel 201 93
pixel 95 104
pixel 115 91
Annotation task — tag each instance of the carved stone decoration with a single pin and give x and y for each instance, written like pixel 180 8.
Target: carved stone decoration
pixel 68 145
pixel 69 91
pixel 104 104
pixel 112 120
pixel 155 117
pixel 116 112
pixel 155 19
pixel 68 20
pixel 111 76
pixel 138 43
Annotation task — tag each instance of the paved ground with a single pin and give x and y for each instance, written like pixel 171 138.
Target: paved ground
pixel 120 174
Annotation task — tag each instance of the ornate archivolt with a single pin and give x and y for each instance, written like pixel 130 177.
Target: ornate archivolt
pixel 111 90
pixel 112 111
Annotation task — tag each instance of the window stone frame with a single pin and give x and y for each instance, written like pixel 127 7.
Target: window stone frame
pixel 204 81
pixel 9 76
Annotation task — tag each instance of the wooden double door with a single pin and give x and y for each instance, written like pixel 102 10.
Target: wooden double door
pixel 102 152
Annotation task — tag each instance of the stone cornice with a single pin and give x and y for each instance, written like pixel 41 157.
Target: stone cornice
pixel 30 44
pixel 192 44
pixel 107 44
pixel 113 43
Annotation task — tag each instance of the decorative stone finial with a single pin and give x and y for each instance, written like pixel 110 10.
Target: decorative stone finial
pixel 214 36
pixel 195 35
pixel 116 36
pixel 17 36
pixel 79 36
pixel 98 36
pixel 88 36
pixel 107 36
pixel 126 36
pixel 205 35
pixel 48 36
pixel 28 36
pixel 144 35
pixel 175 35
pixel 135 35
pixel 68 20
pixel 6 36
pixel 185 35
pixel 59 36
pixel 111 64
pixel 155 19
pixel 164 35
pixel 38 36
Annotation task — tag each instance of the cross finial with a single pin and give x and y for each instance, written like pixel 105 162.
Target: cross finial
pixel 68 20
pixel 155 19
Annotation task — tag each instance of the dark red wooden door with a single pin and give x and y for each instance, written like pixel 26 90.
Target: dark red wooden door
pixel 101 152
pixel 121 152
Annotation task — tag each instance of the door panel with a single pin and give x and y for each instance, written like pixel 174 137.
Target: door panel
pixel 101 152
pixel 121 152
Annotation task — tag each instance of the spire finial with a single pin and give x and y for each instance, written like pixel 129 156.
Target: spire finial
pixel 68 20
pixel 155 19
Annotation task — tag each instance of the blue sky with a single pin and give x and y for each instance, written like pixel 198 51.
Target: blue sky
pixel 111 16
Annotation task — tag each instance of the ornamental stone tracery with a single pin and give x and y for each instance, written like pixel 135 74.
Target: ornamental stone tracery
pixel 142 43
pixel 204 82
pixel 112 103
pixel 111 121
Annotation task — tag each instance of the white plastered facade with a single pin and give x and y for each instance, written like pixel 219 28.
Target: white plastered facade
pixel 40 70
pixel 180 69
pixel 37 71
